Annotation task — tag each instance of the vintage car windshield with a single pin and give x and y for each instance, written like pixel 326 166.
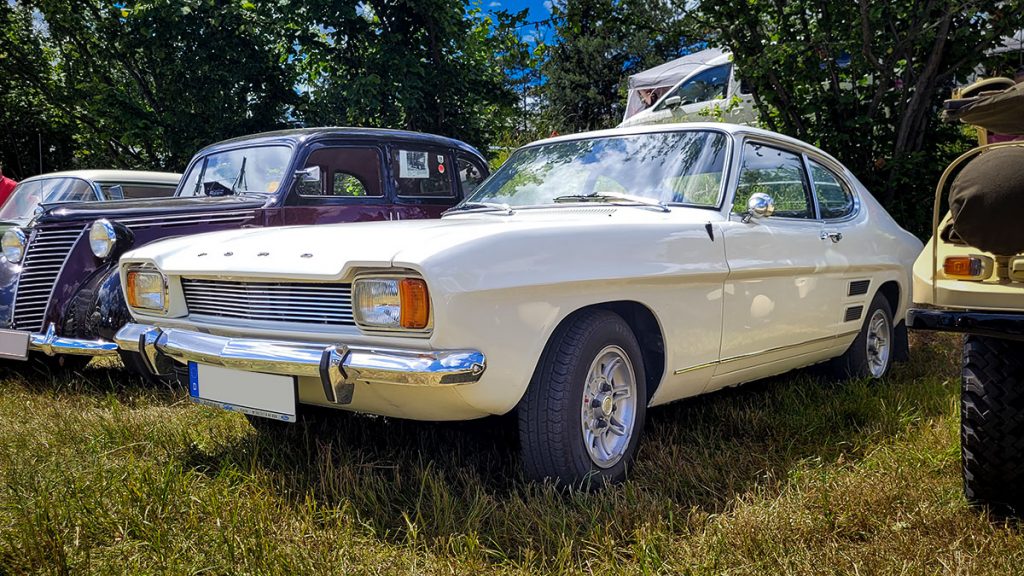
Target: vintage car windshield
pixel 668 167
pixel 255 170
pixel 28 195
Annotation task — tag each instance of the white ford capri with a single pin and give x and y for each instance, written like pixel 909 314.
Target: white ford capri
pixel 591 277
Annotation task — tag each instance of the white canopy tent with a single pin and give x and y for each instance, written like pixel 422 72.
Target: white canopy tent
pixel 646 87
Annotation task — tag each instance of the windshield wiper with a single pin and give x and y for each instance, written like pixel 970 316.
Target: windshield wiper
pixel 481 207
pixel 240 179
pixel 612 197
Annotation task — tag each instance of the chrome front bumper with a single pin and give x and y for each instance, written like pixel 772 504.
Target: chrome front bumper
pixel 338 366
pixel 50 344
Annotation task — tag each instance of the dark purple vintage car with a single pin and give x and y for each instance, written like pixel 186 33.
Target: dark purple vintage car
pixel 60 294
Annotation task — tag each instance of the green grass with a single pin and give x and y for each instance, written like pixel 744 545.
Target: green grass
pixel 100 474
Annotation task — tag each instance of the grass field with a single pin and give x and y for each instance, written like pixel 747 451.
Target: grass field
pixel 101 474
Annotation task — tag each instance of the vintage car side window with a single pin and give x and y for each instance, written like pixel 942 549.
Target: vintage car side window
pixel 710 84
pixel 28 195
pixel 470 175
pixel 835 200
pixel 777 173
pixel 345 171
pixel 422 173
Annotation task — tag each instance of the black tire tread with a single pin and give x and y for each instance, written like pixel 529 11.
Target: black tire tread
pixel 992 422
pixel 544 454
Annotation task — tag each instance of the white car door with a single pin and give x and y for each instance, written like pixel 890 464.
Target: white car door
pixel 780 297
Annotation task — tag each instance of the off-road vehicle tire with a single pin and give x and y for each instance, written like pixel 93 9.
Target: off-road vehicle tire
pixel 872 353
pixel 992 423
pixel 592 360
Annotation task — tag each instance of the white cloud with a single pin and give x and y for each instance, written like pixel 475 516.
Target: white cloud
pixel 548 4
pixel 494 5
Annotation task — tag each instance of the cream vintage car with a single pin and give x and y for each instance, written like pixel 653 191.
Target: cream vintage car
pixel 591 277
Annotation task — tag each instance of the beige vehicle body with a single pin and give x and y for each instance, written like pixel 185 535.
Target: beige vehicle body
pixel 934 288
pixel 727 299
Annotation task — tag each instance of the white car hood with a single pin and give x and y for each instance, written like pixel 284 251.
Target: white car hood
pixel 331 252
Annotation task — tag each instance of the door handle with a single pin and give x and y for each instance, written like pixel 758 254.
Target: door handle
pixel 833 236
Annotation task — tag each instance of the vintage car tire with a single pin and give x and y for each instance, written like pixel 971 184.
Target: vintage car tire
pixel 873 351
pixel 551 421
pixel 992 423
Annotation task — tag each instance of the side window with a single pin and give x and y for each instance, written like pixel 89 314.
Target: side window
pixel 835 200
pixel 422 172
pixel 777 173
pixel 345 172
pixel 470 174
pixel 710 84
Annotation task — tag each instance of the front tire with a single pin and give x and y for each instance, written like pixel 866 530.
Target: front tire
pixel 992 423
pixel 872 353
pixel 581 419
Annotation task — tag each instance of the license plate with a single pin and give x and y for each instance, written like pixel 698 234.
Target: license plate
pixel 266 395
pixel 14 344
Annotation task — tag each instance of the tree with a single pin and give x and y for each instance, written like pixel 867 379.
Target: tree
pixel 864 80
pixel 437 66
pixel 26 116
pixel 598 44
pixel 146 84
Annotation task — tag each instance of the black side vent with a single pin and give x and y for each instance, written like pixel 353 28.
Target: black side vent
pixel 853 313
pixel 859 287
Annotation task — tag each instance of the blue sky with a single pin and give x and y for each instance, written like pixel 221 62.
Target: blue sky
pixel 539 10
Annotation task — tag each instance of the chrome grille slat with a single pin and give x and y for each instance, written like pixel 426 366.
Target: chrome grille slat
pixel 297 302
pixel 44 259
pixel 187 219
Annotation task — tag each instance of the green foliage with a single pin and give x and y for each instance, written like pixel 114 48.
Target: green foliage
pixel 864 80
pixel 148 83
pixel 599 43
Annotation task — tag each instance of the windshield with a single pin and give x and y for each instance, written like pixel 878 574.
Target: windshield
pixel 240 171
pixel 27 195
pixel 669 167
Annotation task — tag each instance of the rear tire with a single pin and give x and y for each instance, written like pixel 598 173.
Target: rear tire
pixel 992 423
pixel 581 419
pixel 872 353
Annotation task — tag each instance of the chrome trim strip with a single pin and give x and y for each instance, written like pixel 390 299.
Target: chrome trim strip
pixel 338 366
pixel 767 351
pixel 51 344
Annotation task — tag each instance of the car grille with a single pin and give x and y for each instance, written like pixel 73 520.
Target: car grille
pixel 301 302
pixel 165 221
pixel 44 259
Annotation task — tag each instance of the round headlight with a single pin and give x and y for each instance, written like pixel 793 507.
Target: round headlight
pixel 102 238
pixel 13 244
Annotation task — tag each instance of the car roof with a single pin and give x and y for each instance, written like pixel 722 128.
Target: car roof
pixel 297 135
pixel 733 129
pixel 113 176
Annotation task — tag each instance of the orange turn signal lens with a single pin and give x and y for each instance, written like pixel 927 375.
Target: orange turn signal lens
pixel 415 303
pixel 967 267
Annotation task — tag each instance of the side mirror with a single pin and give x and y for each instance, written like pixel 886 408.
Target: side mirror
pixel 308 181
pixel 760 205
pixel 672 102
pixel 115 192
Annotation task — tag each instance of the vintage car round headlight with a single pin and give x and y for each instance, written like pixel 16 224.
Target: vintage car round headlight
pixel 14 242
pixel 391 303
pixel 102 238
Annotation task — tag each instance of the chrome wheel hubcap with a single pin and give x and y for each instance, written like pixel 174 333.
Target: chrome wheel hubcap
pixel 609 406
pixel 878 343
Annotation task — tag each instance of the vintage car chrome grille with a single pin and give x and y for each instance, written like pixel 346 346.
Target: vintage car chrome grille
pixel 232 217
pixel 301 302
pixel 43 261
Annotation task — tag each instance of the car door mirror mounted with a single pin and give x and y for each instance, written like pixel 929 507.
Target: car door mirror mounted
pixel 308 180
pixel 760 205
pixel 673 102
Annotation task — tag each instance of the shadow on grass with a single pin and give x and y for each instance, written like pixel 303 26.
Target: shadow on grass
pixel 100 380
pixel 409 480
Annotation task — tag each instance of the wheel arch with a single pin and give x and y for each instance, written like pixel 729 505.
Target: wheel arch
pixel 646 328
